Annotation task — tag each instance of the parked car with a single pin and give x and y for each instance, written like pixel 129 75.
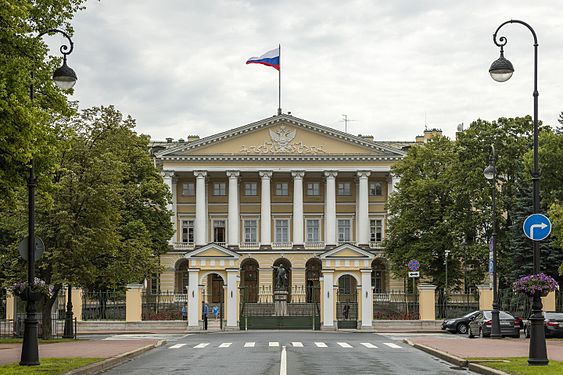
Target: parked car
pixel 481 325
pixel 553 325
pixel 459 325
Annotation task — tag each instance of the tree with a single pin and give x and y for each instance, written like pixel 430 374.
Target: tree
pixel 107 221
pixel 26 129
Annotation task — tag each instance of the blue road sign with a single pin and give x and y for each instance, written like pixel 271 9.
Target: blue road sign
pixel 413 265
pixel 537 227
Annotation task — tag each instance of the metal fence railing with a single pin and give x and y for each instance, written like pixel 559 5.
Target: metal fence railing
pixel 514 303
pixel 395 305
pixel 103 305
pixel 455 304
pixel 15 327
pixel 163 305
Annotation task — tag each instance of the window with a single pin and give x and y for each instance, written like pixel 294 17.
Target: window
pixel 313 230
pixel 344 230
pixel 313 189
pixel 282 231
pixel 219 188
pixel 188 188
pixel 376 230
pixel 375 189
pixel 219 231
pixel 154 284
pixel 281 188
pixel 250 231
pixel 344 188
pixel 188 231
pixel 250 188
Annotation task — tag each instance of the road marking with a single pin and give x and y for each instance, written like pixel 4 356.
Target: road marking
pixel 368 345
pixel 283 362
pixel 249 344
pixel 274 343
pixel 391 345
pixel 225 345
pixel 345 345
pixel 177 346
pixel 202 345
pixel 320 345
pixel 297 344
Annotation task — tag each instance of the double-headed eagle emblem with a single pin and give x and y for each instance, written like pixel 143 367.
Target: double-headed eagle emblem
pixel 282 138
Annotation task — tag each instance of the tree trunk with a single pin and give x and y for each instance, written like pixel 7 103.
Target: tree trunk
pixel 48 302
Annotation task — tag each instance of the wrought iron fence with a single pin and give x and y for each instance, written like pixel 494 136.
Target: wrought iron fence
pixel 163 305
pixel 514 303
pixel 395 305
pixel 455 304
pixel 103 305
pixel 15 327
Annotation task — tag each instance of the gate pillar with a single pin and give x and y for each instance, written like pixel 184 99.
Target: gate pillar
pixel 328 299
pixel 232 300
pixel 366 300
pixel 427 301
pixel 193 298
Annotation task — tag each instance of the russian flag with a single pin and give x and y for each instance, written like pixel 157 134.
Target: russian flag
pixel 270 58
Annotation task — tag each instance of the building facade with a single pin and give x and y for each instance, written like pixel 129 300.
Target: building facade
pixel 278 192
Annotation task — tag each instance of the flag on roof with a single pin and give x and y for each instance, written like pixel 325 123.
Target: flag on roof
pixel 270 58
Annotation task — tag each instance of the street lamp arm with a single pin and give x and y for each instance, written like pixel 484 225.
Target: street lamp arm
pixel 501 41
pixel 65 49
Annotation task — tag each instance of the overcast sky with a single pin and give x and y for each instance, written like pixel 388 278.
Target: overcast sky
pixel 178 66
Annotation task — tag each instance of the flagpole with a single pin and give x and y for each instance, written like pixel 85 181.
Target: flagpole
pixel 279 84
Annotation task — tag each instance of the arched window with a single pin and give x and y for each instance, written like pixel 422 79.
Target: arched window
pixel 378 276
pixel 249 280
pixel 313 269
pixel 181 277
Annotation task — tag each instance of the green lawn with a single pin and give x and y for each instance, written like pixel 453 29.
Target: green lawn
pixel 18 340
pixel 519 366
pixel 48 366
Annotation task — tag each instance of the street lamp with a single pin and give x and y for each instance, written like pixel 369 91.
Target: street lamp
pixel 503 71
pixel 446 253
pixel 491 174
pixel 64 78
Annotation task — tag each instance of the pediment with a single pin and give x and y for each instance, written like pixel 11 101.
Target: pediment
pixel 212 250
pixel 282 135
pixel 347 251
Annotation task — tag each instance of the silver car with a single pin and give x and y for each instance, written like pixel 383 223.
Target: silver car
pixel 481 325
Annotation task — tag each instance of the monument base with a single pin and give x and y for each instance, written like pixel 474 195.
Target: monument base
pixel 280 302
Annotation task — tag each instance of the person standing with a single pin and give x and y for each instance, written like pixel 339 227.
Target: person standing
pixel 185 311
pixel 204 314
pixel 216 311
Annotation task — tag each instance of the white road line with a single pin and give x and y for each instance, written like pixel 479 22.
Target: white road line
pixel 283 362
pixel 249 344
pixel 368 345
pixel 391 345
pixel 297 344
pixel 320 345
pixel 177 346
pixel 345 345
pixel 274 343
pixel 225 345
pixel 202 345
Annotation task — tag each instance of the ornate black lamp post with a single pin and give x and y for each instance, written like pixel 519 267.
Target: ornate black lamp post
pixel 491 174
pixel 501 70
pixel 64 78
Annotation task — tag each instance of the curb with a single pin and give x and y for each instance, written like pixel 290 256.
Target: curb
pixel 461 362
pixel 96 368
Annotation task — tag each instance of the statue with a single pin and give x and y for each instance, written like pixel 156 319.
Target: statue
pixel 281 277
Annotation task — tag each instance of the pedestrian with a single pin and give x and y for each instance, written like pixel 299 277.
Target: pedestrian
pixel 216 311
pixel 185 311
pixel 204 314
pixel 346 311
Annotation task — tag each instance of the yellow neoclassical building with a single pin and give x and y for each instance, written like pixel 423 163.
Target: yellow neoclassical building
pixel 279 222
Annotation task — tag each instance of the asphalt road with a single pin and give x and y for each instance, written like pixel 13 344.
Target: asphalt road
pixel 286 352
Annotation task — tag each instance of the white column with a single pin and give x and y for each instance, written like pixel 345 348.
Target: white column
pixel 265 209
pixel 234 216
pixel 328 298
pixel 363 209
pixel 367 299
pixel 170 181
pixel 193 298
pixel 232 302
pixel 200 209
pixel 330 208
pixel 298 207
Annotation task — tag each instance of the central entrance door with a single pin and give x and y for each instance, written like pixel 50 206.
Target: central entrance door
pixel 347 303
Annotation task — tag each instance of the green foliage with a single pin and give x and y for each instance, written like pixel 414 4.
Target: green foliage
pixel 49 366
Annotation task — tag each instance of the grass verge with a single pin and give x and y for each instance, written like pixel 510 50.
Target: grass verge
pixel 48 366
pixel 19 340
pixel 519 366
